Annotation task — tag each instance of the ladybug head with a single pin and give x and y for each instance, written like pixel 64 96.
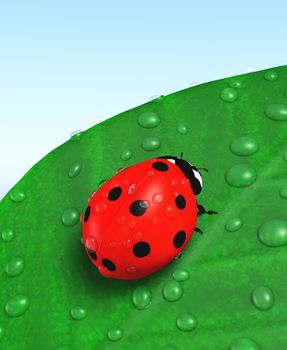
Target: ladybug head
pixel 190 171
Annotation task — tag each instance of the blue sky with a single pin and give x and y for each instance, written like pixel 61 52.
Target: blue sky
pixel 66 65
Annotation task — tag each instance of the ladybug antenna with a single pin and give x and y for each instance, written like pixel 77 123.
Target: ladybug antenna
pixel 181 154
pixel 202 169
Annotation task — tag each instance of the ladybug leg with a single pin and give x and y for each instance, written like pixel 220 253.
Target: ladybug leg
pixel 201 210
pixel 197 229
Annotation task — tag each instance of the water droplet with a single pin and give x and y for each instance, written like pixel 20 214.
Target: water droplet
pixel 157 98
pixel 276 111
pixel 179 255
pixel 148 120
pixel 236 84
pixel 138 235
pixel 131 269
pixel 101 183
pixel 119 170
pixel 125 181
pixel 132 224
pixel 180 275
pixel 113 244
pixel 244 146
pixel 157 197
pixel 153 97
pixel 283 192
pixel 91 195
pixel 7 235
pixel 244 344
pixel 154 220
pixel 91 243
pixel 146 203
pixel 15 266
pixel 174 182
pixel 141 297
pixel 17 305
pixel 150 173
pixel 181 129
pixel 115 334
pixel 17 196
pixel 262 298
pixel 121 220
pixel 114 184
pixel 233 224
pixel 101 206
pixel 186 322
pixel 229 94
pixel 185 183
pixel 75 169
pixel 271 75
pixel 126 155
pixel 170 212
pixel 78 313
pixel 172 290
pixel 70 217
pixel 132 189
pixel 127 243
pixel 151 143
pixel 273 233
pixel 76 135
pixel 250 69
pixel 75 132
pixel 241 175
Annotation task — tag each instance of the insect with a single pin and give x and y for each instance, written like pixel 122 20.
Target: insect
pixel 139 220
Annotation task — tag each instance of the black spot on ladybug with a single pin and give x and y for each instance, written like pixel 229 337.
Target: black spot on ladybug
pixel 179 239
pixel 92 253
pixel 180 201
pixel 160 166
pixel 141 249
pixel 138 208
pixel 87 214
pixel 114 193
pixel 108 264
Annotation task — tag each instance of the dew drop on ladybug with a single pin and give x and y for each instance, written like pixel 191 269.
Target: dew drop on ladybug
pixel 138 235
pixel 154 220
pixel 170 212
pixel 174 182
pixel 132 189
pixel 127 243
pixel 101 206
pixel 131 269
pixel 157 197
pixel 132 224
pixel 121 220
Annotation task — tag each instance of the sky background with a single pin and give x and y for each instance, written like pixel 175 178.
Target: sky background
pixel 66 65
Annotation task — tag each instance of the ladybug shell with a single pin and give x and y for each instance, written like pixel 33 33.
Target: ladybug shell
pixel 148 220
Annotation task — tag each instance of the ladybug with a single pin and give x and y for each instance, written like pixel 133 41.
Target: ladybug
pixel 141 219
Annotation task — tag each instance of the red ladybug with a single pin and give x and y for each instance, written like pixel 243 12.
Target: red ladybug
pixel 140 220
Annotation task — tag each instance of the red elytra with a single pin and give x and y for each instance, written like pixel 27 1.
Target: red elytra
pixel 138 221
